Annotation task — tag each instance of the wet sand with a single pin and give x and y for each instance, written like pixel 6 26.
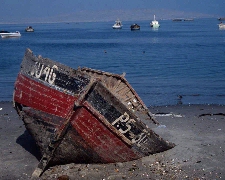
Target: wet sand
pixel 197 130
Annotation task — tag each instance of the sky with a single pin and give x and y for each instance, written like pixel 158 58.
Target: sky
pixel 51 10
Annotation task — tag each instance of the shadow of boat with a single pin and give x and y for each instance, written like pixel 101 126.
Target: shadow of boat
pixel 28 143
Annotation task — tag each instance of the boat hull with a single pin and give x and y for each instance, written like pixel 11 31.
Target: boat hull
pixel 117 27
pixel 155 25
pixel 74 117
pixel 222 26
pixel 29 30
pixel 10 34
pixel 134 29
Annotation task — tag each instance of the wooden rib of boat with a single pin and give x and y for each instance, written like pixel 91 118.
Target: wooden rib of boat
pixel 82 115
pixel 119 87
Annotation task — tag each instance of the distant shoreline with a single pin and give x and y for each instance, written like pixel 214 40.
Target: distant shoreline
pixel 111 20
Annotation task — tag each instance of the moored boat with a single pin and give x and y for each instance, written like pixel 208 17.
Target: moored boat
pixel 135 27
pixel 154 23
pixel 7 34
pixel 29 29
pixel 221 19
pixel 82 115
pixel 221 26
pixel 117 25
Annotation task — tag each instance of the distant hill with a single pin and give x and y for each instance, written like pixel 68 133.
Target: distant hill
pixel 112 15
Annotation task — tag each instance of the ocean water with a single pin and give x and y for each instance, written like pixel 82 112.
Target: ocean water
pixel 180 63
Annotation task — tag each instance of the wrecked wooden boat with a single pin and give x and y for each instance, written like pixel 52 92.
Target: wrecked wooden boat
pixel 82 115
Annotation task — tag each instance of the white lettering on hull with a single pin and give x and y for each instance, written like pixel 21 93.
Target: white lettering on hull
pixel 48 73
pixel 126 122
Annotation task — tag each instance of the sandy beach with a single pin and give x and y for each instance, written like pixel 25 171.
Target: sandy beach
pixel 197 130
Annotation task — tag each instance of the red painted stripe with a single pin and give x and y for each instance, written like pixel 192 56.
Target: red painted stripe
pixel 104 142
pixel 101 139
pixel 38 96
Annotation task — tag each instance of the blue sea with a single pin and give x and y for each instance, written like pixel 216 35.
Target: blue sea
pixel 180 63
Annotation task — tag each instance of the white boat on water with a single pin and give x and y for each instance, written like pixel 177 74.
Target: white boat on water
pixel 117 25
pixel 29 29
pixel 221 26
pixel 6 34
pixel 154 23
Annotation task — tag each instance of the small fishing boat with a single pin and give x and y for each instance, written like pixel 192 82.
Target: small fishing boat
pixel 29 29
pixel 221 26
pixel 135 27
pixel 82 115
pixel 221 19
pixel 117 25
pixel 6 34
pixel 154 23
